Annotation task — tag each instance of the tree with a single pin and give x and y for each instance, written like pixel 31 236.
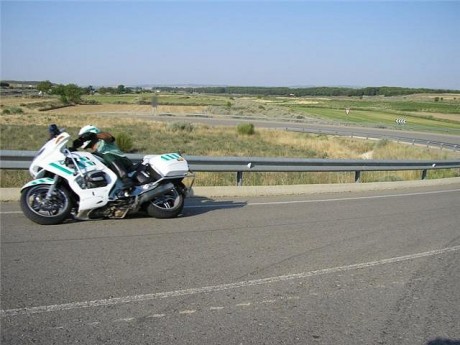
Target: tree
pixel 60 90
pixel 121 89
pixel 73 93
pixel 44 86
pixel 69 93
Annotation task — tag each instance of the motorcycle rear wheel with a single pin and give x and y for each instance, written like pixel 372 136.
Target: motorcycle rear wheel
pixel 168 205
pixel 44 211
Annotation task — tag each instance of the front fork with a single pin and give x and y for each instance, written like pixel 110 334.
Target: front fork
pixel 50 192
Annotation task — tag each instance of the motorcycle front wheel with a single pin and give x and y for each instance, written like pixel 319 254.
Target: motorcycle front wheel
pixel 46 211
pixel 167 205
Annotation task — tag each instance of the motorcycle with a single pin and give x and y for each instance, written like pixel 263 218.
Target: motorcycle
pixel 75 184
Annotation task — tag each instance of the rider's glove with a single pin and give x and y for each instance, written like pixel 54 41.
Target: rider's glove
pixel 77 143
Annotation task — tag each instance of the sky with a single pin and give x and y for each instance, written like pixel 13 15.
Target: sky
pixel 238 43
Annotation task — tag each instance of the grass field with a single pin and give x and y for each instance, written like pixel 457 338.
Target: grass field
pixel 421 112
pixel 26 130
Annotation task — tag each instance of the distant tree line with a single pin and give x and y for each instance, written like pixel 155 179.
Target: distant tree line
pixel 119 90
pixel 309 91
pixel 73 93
pixel 70 93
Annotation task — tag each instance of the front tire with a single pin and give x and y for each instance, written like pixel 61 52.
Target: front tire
pixel 167 205
pixel 41 210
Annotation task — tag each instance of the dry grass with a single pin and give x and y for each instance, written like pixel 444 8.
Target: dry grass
pixel 27 132
pixel 135 109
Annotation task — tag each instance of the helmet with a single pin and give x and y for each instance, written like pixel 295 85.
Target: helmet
pixel 88 129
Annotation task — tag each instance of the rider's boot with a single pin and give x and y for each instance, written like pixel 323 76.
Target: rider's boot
pixel 127 187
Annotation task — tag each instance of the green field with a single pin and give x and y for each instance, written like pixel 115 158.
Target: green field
pixel 423 113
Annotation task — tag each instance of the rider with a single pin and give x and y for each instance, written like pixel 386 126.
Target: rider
pixel 102 144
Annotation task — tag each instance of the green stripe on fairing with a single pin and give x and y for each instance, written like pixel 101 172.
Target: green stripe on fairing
pixel 42 180
pixel 65 170
pixel 86 161
pixel 170 156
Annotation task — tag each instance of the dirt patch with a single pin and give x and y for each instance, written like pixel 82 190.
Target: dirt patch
pixel 134 109
pixel 14 101
pixel 452 117
pixel 367 155
pixel 306 102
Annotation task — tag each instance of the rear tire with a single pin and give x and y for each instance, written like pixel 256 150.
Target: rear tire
pixel 38 209
pixel 167 205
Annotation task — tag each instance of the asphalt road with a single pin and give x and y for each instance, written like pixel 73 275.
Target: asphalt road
pixel 375 267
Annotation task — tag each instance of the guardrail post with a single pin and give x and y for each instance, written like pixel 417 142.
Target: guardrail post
pixel 424 172
pixel 357 176
pixel 239 178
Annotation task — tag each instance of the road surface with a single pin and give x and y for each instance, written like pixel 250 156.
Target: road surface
pixel 376 267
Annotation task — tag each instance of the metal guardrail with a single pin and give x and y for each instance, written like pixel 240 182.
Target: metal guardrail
pixel 19 160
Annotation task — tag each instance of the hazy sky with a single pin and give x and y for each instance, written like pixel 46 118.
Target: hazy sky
pixel 251 43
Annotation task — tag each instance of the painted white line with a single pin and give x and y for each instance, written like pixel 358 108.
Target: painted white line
pixel 155 316
pixel 243 304
pixel 216 288
pixel 232 205
pixel 216 308
pixel 127 319
pixel 350 199
pixel 187 312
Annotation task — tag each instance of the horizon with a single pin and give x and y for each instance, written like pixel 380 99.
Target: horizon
pixel 147 85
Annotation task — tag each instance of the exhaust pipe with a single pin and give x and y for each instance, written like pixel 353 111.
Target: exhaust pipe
pixel 149 195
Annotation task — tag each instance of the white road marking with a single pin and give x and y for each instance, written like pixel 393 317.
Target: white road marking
pixel 349 199
pixel 247 304
pixel 127 319
pixel 230 205
pixel 216 308
pixel 186 312
pixel 215 288
pixel 155 316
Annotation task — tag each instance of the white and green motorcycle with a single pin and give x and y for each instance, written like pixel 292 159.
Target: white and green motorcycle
pixel 77 185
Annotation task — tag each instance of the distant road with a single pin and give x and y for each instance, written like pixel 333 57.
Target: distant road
pixel 375 267
pixel 312 125
pixel 315 127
